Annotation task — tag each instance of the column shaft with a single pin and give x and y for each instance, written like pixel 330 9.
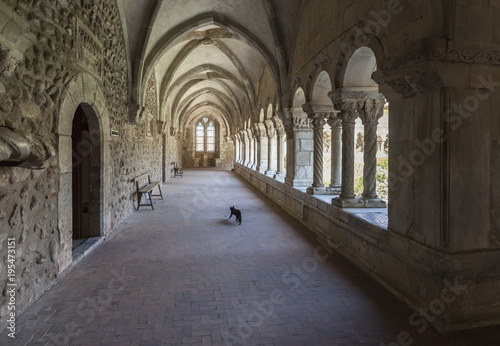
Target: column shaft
pixel 336 175
pixel 318 124
pixel 347 191
pixel 370 160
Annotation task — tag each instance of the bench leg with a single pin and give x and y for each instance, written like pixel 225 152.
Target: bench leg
pixel 151 200
pixel 139 196
pixel 159 188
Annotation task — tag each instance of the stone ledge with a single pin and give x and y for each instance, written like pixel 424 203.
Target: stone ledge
pixel 413 272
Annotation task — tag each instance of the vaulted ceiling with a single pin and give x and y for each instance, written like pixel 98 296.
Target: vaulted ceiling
pixel 207 56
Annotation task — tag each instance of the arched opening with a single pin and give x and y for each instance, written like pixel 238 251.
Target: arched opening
pixel 370 163
pixel 86 175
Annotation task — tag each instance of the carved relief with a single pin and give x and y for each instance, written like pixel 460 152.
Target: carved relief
pixel 301 123
pixel 410 84
pixel 89 52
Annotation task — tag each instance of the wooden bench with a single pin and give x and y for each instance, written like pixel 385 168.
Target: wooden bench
pixel 177 170
pixel 146 189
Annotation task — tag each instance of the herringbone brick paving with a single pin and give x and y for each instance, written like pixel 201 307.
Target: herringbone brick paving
pixel 183 274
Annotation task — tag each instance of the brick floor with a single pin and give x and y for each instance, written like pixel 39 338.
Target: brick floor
pixel 185 275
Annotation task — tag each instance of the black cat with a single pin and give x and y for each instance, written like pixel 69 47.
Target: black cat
pixel 236 213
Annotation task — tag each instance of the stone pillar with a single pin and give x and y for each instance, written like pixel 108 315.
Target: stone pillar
pixel 246 148
pixel 255 146
pixel 369 114
pixel 317 114
pixel 336 147
pixel 236 148
pixel 348 114
pixel 280 131
pixel 263 148
pixel 299 135
pixel 271 135
pixel 242 148
pixel 250 149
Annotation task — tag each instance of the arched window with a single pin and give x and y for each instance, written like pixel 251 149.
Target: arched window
pixel 211 137
pixel 200 137
pixel 205 136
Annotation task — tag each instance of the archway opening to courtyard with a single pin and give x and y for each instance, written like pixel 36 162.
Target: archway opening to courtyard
pixel 371 133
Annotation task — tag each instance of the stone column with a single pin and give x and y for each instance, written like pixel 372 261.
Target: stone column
pixel 317 114
pixel 348 114
pixel 271 135
pixel 372 111
pixel 336 147
pixel 255 141
pixel 280 131
pixel 250 148
pixel 263 148
pixel 236 148
pixel 246 148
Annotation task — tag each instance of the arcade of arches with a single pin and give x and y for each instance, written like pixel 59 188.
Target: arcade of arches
pixel 94 93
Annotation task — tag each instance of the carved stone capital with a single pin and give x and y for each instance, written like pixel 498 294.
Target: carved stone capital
pixel 372 111
pixel 259 130
pixel 278 125
pixel 348 109
pixel 334 120
pixel 271 130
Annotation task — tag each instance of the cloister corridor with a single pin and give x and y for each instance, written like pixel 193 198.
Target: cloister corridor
pixel 183 274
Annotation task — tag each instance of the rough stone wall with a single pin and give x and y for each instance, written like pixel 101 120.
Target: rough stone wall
pixel 71 38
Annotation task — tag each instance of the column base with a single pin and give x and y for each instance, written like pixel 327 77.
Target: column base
pixel 348 203
pixel 280 176
pixel 253 167
pixel 261 170
pixel 336 190
pixel 270 173
pixel 375 203
pixel 311 190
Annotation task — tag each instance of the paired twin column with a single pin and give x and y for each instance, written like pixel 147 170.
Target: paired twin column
pixel 342 120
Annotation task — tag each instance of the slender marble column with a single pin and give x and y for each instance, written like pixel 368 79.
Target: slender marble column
pixel 318 114
pixel 336 148
pixel 372 111
pixel 348 114
pixel 271 135
pixel 280 130
pixel 318 126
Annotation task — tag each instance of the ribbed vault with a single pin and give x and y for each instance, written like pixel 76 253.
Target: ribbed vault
pixel 208 58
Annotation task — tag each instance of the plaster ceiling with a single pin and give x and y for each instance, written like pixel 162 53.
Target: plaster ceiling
pixel 207 55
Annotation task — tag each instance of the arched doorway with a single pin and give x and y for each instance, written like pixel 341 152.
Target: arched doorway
pixel 86 175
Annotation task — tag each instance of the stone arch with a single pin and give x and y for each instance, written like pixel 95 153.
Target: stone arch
pixel 299 98
pixel 82 91
pixel 363 35
pixel 316 79
pixel 321 88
